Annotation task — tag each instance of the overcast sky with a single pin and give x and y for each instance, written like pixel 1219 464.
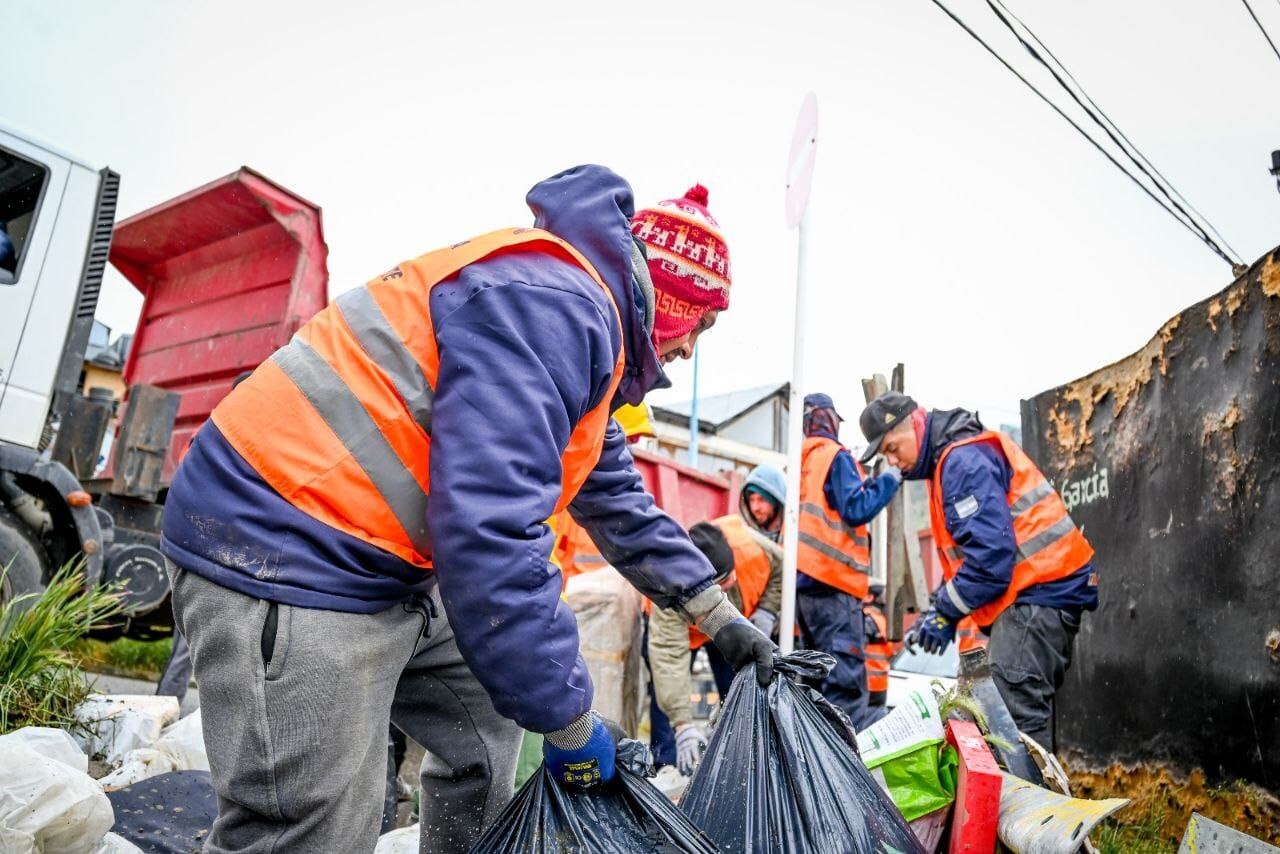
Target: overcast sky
pixel 958 225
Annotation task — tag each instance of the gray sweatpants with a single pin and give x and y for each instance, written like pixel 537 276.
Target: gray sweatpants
pixel 1030 652
pixel 295 723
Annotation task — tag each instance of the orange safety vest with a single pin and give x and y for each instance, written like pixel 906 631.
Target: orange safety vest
pixel 968 636
pixel 830 550
pixel 751 569
pixel 575 552
pixel 338 421
pixel 1050 546
pixel 878 654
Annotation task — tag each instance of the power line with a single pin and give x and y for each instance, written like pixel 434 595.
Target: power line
pixel 1261 28
pixel 1102 120
pixel 1101 150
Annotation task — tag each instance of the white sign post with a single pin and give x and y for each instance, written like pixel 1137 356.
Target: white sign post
pixel 804 151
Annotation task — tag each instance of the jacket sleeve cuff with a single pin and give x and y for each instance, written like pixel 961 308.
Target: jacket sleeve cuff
pixel 701 603
pixel 575 736
pixel 724 613
pixel 949 603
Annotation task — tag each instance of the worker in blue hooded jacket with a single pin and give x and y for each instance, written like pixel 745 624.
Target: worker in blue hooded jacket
pixel 322 593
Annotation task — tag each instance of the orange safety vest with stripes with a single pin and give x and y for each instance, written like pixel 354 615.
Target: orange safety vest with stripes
pixel 878 653
pixel 575 552
pixel 356 387
pixel 968 636
pixel 1050 546
pixel 830 550
pixel 751 568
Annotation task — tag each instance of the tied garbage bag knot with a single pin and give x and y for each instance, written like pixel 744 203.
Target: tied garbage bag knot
pixel 781 773
pixel 627 814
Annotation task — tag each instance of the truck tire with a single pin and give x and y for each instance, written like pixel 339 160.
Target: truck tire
pixel 23 558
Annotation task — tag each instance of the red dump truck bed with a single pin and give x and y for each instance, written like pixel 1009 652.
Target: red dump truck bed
pixel 229 272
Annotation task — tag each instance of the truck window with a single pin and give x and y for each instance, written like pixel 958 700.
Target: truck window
pixel 21 185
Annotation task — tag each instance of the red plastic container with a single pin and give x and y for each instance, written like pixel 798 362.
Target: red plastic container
pixel 229 272
pixel 977 810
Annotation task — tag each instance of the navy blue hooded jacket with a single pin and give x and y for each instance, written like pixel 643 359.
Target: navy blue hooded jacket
pixel 986 534
pixel 857 501
pixel 527 345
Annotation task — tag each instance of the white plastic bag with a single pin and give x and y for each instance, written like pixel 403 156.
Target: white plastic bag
pixel 179 748
pixel 184 741
pixel 122 722
pixel 115 844
pixel 138 765
pixel 52 743
pixel 402 841
pixel 47 807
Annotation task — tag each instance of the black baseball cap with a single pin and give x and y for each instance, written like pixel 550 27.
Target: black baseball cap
pixel 882 415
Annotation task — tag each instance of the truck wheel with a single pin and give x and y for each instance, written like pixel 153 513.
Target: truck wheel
pixel 22 557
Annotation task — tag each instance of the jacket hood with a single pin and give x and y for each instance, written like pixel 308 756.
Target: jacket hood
pixel 591 207
pixel 941 429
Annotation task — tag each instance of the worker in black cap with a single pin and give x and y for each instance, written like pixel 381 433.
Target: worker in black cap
pixel 1012 559
pixel 837 500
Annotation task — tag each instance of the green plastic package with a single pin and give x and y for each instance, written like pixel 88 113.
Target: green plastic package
pixel 907 753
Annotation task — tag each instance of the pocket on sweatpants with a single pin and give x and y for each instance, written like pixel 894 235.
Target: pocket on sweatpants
pixel 274 639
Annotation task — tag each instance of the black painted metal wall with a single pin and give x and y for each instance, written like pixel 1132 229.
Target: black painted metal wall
pixel 1169 461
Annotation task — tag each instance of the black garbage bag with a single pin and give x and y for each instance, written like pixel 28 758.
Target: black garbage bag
pixel 168 814
pixel 782 773
pixel 628 815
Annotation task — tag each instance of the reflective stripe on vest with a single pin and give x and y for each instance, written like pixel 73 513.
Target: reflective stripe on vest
pixel 969 636
pixel 338 421
pixel 1049 545
pixel 831 551
pixel 751 569
pixel 878 653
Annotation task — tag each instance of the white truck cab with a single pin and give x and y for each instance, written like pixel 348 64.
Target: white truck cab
pixel 56 215
pixel 56 218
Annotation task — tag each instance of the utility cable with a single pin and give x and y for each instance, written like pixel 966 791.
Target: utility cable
pixel 1261 28
pixel 1101 150
pixel 1103 121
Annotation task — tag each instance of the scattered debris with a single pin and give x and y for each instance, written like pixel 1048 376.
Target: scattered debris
pixel 1034 820
pixel 1205 836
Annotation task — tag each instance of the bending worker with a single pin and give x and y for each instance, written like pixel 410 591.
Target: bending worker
pixel 358 534
pixel 749 569
pixel 836 503
pixel 1012 558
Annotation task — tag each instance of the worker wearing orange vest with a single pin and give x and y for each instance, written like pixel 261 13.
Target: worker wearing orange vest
pixel 879 650
pixel 837 501
pixel 358 534
pixel 749 570
pixel 1013 560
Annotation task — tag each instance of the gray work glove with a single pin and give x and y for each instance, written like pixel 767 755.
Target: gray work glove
pixel 740 642
pixel 691 743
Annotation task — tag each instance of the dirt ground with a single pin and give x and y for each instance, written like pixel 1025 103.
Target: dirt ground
pixel 1170 797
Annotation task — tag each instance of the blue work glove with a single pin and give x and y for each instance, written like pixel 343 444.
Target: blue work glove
pixel 893 473
pixel 932 632
pixel 582 754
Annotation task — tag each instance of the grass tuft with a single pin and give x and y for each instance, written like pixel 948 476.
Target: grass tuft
pixel 1139 834
pixel 40 684
pixel 124 656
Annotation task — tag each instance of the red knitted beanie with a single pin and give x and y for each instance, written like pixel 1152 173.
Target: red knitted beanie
pixel 688 262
